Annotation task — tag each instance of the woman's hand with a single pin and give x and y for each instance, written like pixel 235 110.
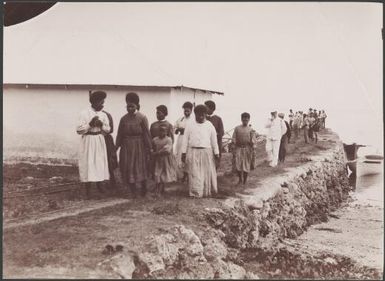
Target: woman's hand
pixel 98 123
pixel 217 160
pixel 93 120
pixel 184 157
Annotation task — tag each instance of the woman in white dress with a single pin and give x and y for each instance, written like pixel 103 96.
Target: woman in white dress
pixel 200 152
pixel 93 124
pixel 180 126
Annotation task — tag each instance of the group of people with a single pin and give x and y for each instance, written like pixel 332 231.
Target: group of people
pixel 147 152
pixel 279 131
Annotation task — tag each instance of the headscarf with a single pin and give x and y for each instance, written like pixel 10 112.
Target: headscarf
pixel 97 96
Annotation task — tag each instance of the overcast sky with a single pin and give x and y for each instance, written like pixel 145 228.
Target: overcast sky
pixel 262 55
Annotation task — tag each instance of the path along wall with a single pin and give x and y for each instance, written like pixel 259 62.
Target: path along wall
pixel 281 207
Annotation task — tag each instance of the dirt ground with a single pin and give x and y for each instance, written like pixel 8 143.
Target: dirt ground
pixel 72 246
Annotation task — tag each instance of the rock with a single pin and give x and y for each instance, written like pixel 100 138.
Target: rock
pixel 152 262
pixel 214 248
pixel 227 270
pixel 164 246
pixel 251 276
pixel 53 179
pixel 197 271
pixel 122 265
pixel 330 260
pixel 29 179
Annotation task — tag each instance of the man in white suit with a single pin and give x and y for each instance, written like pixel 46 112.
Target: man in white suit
pixel 275 130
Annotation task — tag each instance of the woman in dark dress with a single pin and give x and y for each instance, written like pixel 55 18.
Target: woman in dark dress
pixel 134 141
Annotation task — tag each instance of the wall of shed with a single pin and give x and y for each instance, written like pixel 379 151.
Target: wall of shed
pixel 41 122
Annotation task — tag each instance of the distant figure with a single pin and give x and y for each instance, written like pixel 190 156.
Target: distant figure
pixel 134 141
pixel 161 113
pixel 284 140
pixel 305 126
pixel 315 126
pixel 180 126
pixel 201 154
pixel 242 139
pixel 93 124
pixel 291 119
pixel 164 160
pixel 311 123
pixel 276 129
pixel 323 116
pixel 296 124
pixel 217 123
pixel 111 151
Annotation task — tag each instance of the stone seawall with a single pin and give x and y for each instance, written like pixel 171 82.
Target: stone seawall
pixel 249 227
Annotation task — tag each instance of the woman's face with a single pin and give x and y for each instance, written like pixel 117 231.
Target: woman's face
pixel 98 106
pixel 131 108
pixel 200 117
pixel 187 112
pixel 160 115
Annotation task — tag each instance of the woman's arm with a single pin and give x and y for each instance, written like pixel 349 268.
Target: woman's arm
pixel 83 124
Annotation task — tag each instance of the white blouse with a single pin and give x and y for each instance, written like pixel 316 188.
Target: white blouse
pixel 85 118
pixel 200 135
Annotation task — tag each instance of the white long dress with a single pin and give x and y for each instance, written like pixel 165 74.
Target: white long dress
pixel 93 161
pixel 181 123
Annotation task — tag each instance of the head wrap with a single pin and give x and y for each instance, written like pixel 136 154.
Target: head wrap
pixel 281 115
pixel 200 109
pixel 132 98
pixel 97 96
pixel 210 104
pixel 188 104
pixel 245 115
pixel 162 108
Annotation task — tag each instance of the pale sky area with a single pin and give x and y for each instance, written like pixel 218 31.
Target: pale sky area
pixel 263 56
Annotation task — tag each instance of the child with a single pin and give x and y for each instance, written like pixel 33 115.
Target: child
pixel 242 139
pixel 161 113
pixel 164 160
pixel 201 154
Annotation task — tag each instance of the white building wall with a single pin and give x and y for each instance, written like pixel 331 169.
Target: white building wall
pixel 42 122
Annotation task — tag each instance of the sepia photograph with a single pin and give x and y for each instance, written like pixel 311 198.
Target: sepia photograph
pixel 193 140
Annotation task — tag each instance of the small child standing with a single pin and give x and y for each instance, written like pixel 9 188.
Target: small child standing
pixel 164 160
pixel 243 141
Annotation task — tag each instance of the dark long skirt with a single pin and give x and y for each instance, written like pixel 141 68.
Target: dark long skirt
pixel 133 160
pixel 282 149
pixel 111 153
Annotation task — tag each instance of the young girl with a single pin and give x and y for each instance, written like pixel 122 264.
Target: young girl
pixel 243 141
pixel 201 154
pixel 163 159
pixel 161 113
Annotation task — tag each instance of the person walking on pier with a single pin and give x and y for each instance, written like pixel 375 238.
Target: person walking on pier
pixel 243 142
pixel 93 125
pixel 284 140
pixel 276 129
pixel 305 126
pixel 134 141
pixel 200 152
